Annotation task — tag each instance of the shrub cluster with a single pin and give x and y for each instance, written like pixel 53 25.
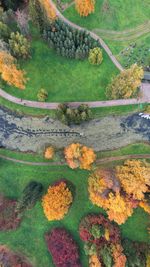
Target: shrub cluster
pixel 78 115
pixel 9 258
pixel 68 42
pixel 79 156
pixel 63 248
pixel 120 190
pixel 102 241
pixel 9 218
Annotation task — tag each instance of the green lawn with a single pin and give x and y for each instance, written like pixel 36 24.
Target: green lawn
pixel 64 79
pixel 29 237
pixel 119 16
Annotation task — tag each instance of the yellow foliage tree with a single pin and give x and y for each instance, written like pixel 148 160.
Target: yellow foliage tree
pixel 85 7
pixel 119 208
pixel 79 156
pixel 134 178
pixel 49 152
pixel 48 9
pixel 94 261
pixel 56 202
pixel 9 71
pixel 125 84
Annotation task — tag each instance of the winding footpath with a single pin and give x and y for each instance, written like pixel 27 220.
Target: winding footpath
pixel 145 87
pixel 59 163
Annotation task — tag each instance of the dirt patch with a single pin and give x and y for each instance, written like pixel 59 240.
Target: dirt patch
pixel 26 133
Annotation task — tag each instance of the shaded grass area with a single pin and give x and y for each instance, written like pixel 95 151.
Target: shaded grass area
pixel 119 15
pixel 29 237
pixel 64 79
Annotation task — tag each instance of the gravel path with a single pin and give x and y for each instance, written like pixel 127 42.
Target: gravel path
pixel 58 163
pixel 145 91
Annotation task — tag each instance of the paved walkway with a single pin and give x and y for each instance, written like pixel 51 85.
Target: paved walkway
pixel 145 90
pixel 59 163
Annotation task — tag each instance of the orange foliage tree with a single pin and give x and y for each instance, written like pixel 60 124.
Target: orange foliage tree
pixel 85 7
pixel 56 202
pixel 9 71
pixel 134 178
pixel 80 156
pixel 48 9
pixel 94 261
pixel 118 256
pixel 49 152
pixel 119 191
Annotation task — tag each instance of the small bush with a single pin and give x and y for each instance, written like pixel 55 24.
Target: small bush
pixel 42 95
pixel 49 152
pixel 95 56
pixel 19 45
pixel 9 219
pixel 63 248
pixel 74 116
pixel 30 195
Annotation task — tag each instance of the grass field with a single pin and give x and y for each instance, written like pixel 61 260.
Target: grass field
pixel 119 16
pixel 29 237
pixel 64 79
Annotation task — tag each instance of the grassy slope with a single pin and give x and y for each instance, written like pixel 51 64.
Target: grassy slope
pixel 64 79
pixel 29 238
pixel 122 15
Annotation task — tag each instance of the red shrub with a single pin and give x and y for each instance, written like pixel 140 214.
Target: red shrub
pixel 8 216
pixel 62 248
pixel 8 258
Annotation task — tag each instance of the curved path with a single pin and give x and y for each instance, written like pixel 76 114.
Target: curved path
pixel 59 163
pixel 92 34
pixel 145 90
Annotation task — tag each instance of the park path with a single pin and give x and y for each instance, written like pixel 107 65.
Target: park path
pixel 145 91
pixel 92 34
pixel 59 163
pixel 145 88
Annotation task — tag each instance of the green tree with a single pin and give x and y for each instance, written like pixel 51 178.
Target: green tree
pixel 125 84
pixel 19 45
pixel 95 56
pixel 4 31
pixel 30 195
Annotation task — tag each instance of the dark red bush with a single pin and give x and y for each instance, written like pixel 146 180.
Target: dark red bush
pixel 9 219
pixel 63 248
pixel 8 258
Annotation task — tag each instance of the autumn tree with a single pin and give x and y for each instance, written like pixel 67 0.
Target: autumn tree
pixel 80 156
pixel 56 202
pixel 9 71
pixel 134 178
pixel 49 152
pixel 48 9
pixel 125 84
pixel 95 56
pixel 19 45
pixel 85 7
